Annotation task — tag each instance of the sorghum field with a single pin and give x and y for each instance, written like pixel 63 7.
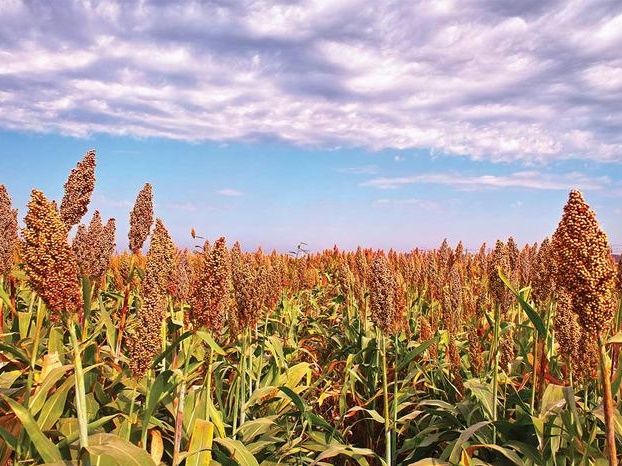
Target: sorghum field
pixel 142 353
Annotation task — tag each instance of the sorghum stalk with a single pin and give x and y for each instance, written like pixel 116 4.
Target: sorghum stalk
pixel 385 392
pixel 605 369
pixel 131 413
pixel 80 390
pixel 31 372
pixel 495 374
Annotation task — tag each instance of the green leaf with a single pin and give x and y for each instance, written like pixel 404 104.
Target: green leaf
pixel 552 399
pixel 252 429
pixel 170 348
pixel 429 462
pixel 160 388
pixel 48 451
pixel 9 438
pixel 54 406
pixel 295 374
pixel 122 452
pixel 509 454
pixel 375 415
pixel 207 338
pixel 300 404
pixel 17 353
pixel 533 315
pixel 74 434
pixel 199 451
pixel 351 452
pixel 407 359
pixel 7 378
pixel 239 452
pixel 483 393
pixel 464 437
pixel 53 376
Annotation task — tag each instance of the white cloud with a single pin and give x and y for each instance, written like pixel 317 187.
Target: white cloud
pixel 229 192
pixel 523 180
pixel 421 203
pixel 503 81
pixel 362 170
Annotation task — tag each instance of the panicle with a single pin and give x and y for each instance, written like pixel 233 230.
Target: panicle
pixel 179 285
pixel 499 261
pixel 49 262
pixel 543 277
pixel 211 288
pixel 93 247
pixel 160 260
pixel 476 351
pixel 386 297
pixel 144 342
pixel 567 329
pixel 141 219
pixel 246 290
pixel 8 231
pixel 78 189
pixel 583 265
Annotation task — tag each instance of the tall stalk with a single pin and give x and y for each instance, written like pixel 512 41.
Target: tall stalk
pixel 395 379
pixel 495 374
pixel 208 383
pixel 385 392
pixel 24 442
pixel 179 417
pixel 80 391
pixel 608 404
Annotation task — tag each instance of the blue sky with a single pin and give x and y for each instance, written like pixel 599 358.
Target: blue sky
pixel 277 194
pixel 274 122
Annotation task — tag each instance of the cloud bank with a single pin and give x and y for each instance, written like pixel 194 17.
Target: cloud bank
pixel 526 81
pixel 533 180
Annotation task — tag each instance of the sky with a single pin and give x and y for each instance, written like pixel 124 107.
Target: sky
pixel 383 124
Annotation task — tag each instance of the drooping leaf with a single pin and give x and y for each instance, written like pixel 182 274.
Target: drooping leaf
pixel 48 451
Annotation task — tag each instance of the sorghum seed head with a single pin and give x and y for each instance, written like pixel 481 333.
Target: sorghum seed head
pixel 583 265
pixel 78 190
pixel 8 231
pixel 567 330
pixel 49 262
pixel 141 218
pixel 211 288
pixel 144 343
pixel 160 260
pixel 386 297
pixel 499 261
pixel 93 247
pixel 246 290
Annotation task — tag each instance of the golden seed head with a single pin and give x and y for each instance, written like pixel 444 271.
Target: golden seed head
pixel 144 343
pixel 93 247
pixel 583 265
pixel 78 190
pixel 160 260
pixel 141 219
pixel 567 329
pixel 543 278
pixel 179 285
pixel 211 288
pixel 387 299
pixel 8 231
pixel 247 289
pixel 50 263
pixel 476 351
pixel 499 261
